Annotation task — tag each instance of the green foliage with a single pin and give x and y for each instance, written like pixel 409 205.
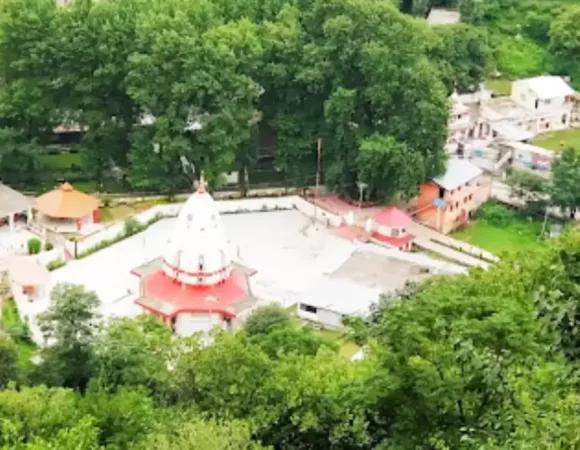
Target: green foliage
pixel 565 189
pixel 520 57
pixel 496 214
pixel 263 320
pixel 34 246
pixel 56 264
pixel 565 41
pixel 8 361
pixel 48 246
pixel 69 325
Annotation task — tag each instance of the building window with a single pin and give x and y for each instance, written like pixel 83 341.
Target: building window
pixel 548 102
pixel 451 208
pixel 457 204
pixel 200 263
pixel 471 197
pixel 536 104
pixel 308 308
pixel 564 119
pixel 403 231
pixel 395 232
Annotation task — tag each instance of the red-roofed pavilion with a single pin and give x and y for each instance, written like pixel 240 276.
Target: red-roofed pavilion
pixel 391 227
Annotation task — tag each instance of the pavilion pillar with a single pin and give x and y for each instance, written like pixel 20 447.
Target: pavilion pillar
pixel 29 215
pixel 11 221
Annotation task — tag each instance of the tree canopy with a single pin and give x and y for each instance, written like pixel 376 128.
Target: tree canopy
pixel 153 84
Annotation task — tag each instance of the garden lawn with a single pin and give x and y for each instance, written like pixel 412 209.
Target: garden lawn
pixel 519 235
pixel 559 140
pixel 11 324
pixel 61 161
pixel 500 86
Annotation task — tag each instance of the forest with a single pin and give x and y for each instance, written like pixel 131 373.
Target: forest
pixel 487 361
pixel 153 82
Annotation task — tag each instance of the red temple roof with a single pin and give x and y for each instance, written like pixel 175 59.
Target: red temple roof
pixel 168 297
pixel 394 218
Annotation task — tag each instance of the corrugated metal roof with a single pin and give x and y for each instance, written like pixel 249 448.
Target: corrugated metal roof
pixel 459 172
pixel 340 296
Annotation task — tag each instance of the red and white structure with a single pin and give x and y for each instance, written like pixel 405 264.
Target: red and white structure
pixel 391 225
pixel 195 286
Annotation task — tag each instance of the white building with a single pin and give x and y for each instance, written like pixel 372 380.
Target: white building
pixel 536 105
pixel 547 101
pixel 329 300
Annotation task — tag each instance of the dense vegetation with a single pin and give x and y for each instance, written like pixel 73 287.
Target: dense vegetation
pixel 527 37
pixel 486 361
pixel 153 81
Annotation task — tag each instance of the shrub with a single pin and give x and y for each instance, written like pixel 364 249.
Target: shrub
pixel 266 318
pixel 48 246
pixel 496 214
pixel 34 246
pixel 56 264
pixel 106 202
pixel 132 226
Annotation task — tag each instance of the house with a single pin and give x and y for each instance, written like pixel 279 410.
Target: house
pixel 549 100
pixel 535 105
pixel 447 201
pixel 391 225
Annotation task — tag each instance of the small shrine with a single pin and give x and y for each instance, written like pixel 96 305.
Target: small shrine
pixel 195 285
pixel 67 210
pixel 391 225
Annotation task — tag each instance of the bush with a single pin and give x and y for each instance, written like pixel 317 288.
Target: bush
pixel 266 318
pixel 496 214
pixel 34 246
pixel 132 226
pixel 56 264
pixel 48 246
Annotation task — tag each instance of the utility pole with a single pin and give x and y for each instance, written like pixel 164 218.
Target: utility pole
pixel 361 187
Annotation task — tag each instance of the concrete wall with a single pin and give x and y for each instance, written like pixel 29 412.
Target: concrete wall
pixel 187 324
pixel 325 317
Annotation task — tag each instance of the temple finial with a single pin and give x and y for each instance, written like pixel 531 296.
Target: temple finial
pixel 202 184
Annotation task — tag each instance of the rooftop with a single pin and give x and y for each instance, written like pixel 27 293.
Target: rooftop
pixel 65 202
pixel 12 201
pixel 341 296
pixel 459 172
pixel 168 297
pixel 548 86
pixel 393 217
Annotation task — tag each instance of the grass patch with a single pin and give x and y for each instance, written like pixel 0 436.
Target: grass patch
pixel 19 332
pixel 559 140
pixel 346 348
pixel 518 235
pixel 61 161
pixel 500 86
pixel 115 213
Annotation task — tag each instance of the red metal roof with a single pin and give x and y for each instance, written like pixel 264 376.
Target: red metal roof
pixel 398 242
pixel 172 297
pixel 394 218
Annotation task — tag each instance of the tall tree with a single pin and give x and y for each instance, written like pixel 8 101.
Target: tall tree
pixel 565 41
pixel 68 327
pixel 8 361
pixel 565 189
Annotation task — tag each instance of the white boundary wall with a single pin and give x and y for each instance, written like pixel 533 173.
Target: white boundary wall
pixel 251 205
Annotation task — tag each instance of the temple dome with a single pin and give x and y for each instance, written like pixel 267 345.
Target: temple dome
pixel 198 253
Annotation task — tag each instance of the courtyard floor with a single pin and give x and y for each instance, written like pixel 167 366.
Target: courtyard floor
pixel 272 243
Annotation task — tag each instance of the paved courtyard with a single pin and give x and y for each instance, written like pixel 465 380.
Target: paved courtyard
pixel 272 243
